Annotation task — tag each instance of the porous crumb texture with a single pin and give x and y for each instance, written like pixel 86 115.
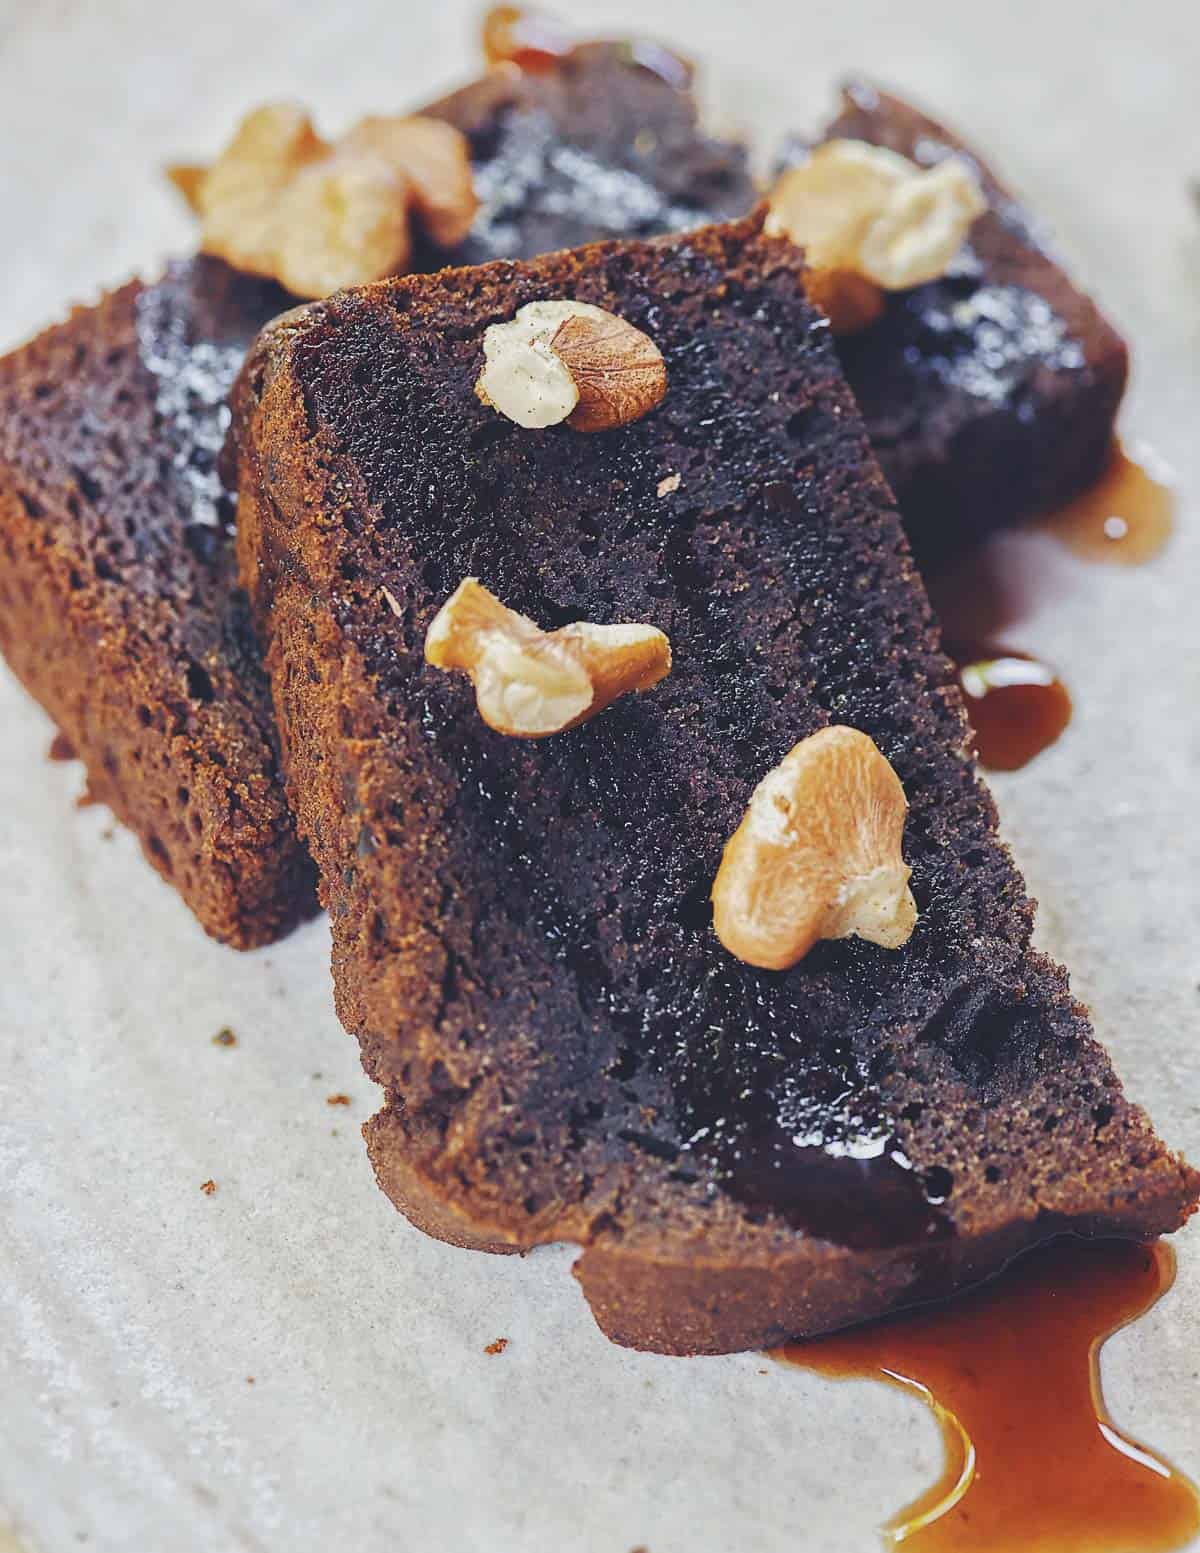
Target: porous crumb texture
pixel 522 930
pixel 989 395
pixel 118 603
pixel 603 143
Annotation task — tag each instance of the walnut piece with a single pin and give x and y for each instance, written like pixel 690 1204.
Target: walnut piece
pixel 817 855
pixel 529 682
pixel 281 202
pixel 866 212
pixel 570 361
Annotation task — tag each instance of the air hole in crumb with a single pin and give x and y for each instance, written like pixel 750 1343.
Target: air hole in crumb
pixel 160 854
pixel 200 686
pixel 89 487
pixel 695 909
pixel 991 1174
pixel 626 1065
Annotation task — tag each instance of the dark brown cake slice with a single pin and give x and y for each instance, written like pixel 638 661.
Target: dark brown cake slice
pixel 118 602
pixel 989 395
pixel 522 931
pixel 602 141
pixel 117 607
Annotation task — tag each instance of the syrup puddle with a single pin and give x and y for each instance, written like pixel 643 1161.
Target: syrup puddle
pixel 1127 517
pixel 1033 1463
pixel 1016 704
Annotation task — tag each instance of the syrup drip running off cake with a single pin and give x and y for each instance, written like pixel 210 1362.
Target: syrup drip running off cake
pixel 1033 1462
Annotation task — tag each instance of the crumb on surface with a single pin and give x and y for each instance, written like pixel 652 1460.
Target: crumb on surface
pixel 669 483
pixel 338 1099
pixel 500 1344
pixel 249 1380
pixel 224 1037
pixel 208 1187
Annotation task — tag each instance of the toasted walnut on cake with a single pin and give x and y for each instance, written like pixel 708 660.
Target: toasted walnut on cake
pixel 317 215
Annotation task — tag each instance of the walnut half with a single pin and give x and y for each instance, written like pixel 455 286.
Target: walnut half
pixel 530 683
pixel 570 361
pixel 817 855
pixel 871 221
pixel 282 202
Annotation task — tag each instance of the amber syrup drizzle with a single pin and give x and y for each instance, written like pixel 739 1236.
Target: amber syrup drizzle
pixel 1126 517
pixel 1016 704
pixel 1033 1462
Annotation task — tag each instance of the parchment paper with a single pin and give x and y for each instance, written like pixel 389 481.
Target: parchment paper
pixel 285 1363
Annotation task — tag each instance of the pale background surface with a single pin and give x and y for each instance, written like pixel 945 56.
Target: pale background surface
pixel 132 1307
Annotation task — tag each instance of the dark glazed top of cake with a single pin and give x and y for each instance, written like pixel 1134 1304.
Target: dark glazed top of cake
pixel 604 143
pixel 522 929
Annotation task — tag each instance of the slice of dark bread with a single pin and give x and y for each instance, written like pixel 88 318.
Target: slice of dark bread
pixel 522 936
pixel 118 601
pixel 989 395
pixel 116 605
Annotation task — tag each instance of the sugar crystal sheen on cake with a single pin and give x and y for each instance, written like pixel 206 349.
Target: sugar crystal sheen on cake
pixel 118 602
pixel 603 143
pixel 523 936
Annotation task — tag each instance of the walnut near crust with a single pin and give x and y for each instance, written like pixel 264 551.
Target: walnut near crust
pixel 570 361
pixel 871 221
pixel 316 216
pixel 817 855
pixel 530 683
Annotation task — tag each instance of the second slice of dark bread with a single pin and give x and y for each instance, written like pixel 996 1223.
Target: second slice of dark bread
pixel 989 395
pixel 119 607
pixel 522 932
